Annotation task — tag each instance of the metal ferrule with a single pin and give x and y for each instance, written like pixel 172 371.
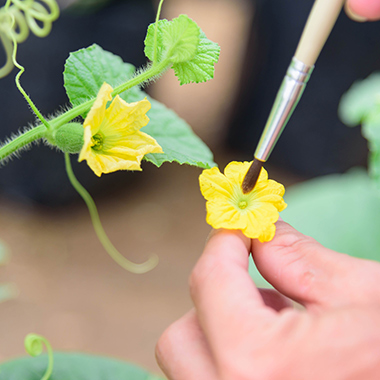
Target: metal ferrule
pixel 286 101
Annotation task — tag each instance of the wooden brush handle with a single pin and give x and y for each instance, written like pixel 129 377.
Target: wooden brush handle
pixel 318 27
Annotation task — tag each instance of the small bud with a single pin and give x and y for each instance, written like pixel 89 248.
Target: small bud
pixel 69 138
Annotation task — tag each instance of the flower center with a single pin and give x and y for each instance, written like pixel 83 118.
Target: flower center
pixel 97 142
pixel 243 204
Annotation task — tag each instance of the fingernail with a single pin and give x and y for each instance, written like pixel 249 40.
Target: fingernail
pixel 352 15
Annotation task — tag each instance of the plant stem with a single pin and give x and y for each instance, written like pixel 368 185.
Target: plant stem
pixel 22 140
pixel 49 369
pixel 23 93
pixel 41 131
pixel 102 236
pixel 34 346
pixel 84 107
pixel 155 32
pixel 143 77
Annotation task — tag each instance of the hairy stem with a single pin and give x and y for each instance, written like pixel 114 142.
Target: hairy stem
pixel 41 130
pixel 22 140
pixel 143 77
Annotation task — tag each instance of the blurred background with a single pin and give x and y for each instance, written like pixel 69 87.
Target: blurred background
pixel 69 290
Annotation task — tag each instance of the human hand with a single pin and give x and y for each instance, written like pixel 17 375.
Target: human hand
pixel 238 332
pixel 363 10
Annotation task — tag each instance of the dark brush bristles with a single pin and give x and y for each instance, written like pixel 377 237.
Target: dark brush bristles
pixel 252 176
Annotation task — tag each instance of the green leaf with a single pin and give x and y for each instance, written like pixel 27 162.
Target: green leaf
pixel 359 101
pixel 195 66
pixel 341 211
pixel 177 40
pixel 176 137
pixel 73 367
pixel 201 67
pixel 87 69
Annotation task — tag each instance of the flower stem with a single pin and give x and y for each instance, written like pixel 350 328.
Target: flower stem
pixel 102 236
pixel 22 140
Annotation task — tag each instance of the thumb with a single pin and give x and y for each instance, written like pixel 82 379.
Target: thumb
pixel 302 269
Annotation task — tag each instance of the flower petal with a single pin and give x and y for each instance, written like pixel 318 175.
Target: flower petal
pixel 227 207
pixel 97 112
pixel 223 215
pixel 214 184
pixel 268 233
pixel 122 118
pixel 137 143
pixel 112 137
pixel 235 171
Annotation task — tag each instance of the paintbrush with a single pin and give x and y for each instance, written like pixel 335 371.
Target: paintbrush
pixel 320 22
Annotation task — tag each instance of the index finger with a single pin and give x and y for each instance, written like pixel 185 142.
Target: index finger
pixel 228 304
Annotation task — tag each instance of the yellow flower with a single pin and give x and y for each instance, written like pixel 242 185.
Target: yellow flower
pixel 228 207
pixel 112 137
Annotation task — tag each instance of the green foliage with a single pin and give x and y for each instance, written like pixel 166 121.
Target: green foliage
pixel 177 40
pixel 201 67
pixel 176 138
pixel 73 367
pixel 195 55
pixel 87 69
pixel 360 100
pixel 361 105
pixel 69 137
pixel 340 211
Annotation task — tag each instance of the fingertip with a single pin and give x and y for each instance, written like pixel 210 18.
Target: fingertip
pixel 222 234
pixel 352 14
pixel 224 248
pixel 363 10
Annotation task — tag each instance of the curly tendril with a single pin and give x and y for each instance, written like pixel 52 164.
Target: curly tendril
pixel 102 236
pixel 34 347
pixel 18 19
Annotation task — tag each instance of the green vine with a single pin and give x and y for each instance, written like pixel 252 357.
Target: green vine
pixel 102 236
pixel 34 347
pixel 18 18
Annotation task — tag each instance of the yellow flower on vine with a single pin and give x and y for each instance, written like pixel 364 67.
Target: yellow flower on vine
pixel 228 207
pixel 112 137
